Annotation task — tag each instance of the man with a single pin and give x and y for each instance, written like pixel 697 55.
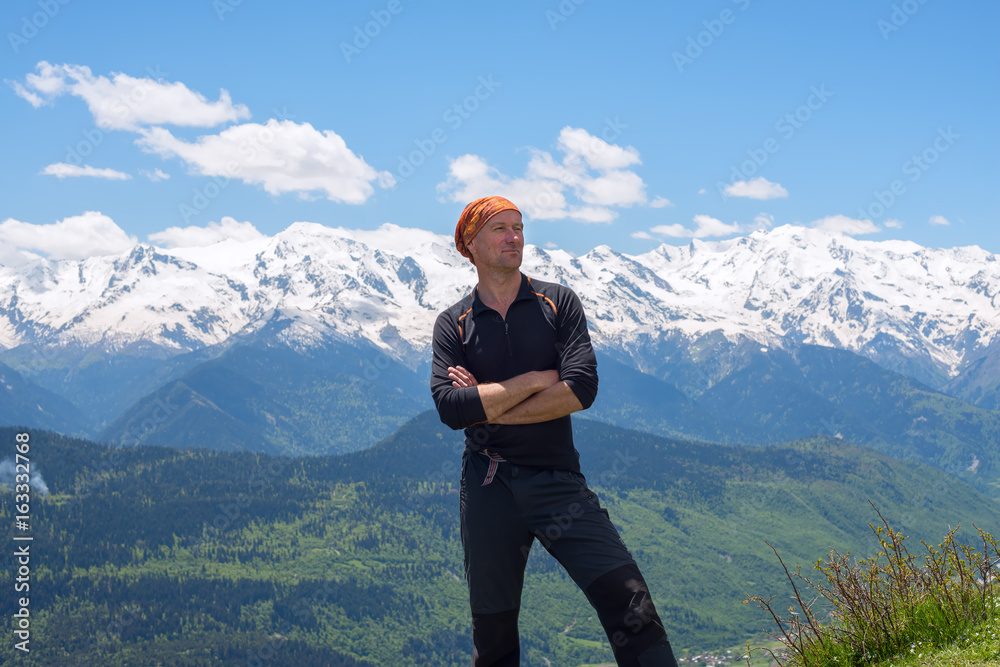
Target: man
pixel 512 360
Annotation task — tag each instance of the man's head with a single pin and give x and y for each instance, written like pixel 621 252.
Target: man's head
pixel 491 230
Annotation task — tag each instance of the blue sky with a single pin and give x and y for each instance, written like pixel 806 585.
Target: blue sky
pixel 627 124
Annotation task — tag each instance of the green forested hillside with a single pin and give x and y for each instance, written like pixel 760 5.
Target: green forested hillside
pixel 259 396
pixel 150 555
pixel 276 400
pixel 835 392
pixel 639 401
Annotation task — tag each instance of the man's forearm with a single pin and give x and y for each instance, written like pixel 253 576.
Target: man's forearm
pixel 558 400
pixel 499 397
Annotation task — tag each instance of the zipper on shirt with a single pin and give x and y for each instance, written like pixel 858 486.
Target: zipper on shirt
pixel 506 334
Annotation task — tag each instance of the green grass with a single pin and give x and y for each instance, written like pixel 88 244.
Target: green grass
pixel 892 606
pixel 976 647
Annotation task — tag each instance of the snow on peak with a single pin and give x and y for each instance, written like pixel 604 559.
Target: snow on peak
pixel 387 286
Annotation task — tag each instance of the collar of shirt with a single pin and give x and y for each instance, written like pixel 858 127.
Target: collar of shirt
pixel 524 292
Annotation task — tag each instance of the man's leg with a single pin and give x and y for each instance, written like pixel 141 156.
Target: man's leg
pixel 496 542
pixel 626 610
pixel 568 520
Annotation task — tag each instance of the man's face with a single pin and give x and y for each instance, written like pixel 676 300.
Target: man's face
pixel 500 243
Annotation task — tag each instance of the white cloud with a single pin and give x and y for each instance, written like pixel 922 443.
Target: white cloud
pixel 543 189
pixel 763 221
pixel 614 188
pixel 706 226
pixel 845 225
pixel 123 102
pixel 155 175
pixel 660 202
pixel 702 191
pixel 64 170
pixel 939 220
pixel 578 144
pixel 33 99
pixel 756 188
pixel 893 224
pixel 76 237
pixel 282 156
pixel 470 177
pixel 10 256
pixel 646 236
pixel 214 232
pixel 551 245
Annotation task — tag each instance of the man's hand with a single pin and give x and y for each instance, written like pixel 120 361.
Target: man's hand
pixel 461 378
pixel 498 397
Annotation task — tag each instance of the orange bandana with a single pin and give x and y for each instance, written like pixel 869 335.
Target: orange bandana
pixel 474 218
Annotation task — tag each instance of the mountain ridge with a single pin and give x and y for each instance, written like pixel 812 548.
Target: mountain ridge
pixel 930 313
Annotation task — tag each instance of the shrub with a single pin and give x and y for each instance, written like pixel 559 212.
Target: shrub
pixel 871 609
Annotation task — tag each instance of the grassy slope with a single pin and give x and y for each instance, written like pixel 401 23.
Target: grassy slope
pixel 980 647
pixel 380 527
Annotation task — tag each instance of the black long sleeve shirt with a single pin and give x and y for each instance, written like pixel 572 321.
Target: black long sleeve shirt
pixel 545 329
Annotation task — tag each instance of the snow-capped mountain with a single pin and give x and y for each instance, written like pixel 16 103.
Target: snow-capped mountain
pixel 937 309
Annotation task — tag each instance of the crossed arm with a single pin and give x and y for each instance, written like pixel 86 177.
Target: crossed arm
pixel 529 398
